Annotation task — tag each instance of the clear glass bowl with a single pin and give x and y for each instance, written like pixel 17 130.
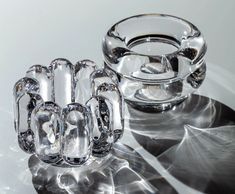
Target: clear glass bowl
pixel 158 59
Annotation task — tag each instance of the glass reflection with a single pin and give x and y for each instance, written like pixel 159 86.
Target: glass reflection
pixel 123 171
pixel 194 142
pixel 189 149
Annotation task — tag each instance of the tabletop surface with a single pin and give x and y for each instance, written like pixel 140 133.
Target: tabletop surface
pixel 189 149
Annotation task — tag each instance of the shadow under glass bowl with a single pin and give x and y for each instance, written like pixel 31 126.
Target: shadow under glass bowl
pixel 158 59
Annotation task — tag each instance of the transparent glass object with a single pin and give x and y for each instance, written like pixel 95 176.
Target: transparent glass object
pixel 45 81
pixel 99 77
pixel 26 98
pixel 54 117
pixel 102 117
pixel 104 84
pixel 76 135
pixel 63 81
pixel 159 59
pixel 83 71
pixel 111 92
pixel 46 125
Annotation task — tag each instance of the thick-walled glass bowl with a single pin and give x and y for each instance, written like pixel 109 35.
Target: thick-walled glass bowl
pixel 158 59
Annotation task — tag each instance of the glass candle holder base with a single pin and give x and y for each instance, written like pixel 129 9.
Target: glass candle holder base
pixel 153 108
pixel 158 59
pixel 66 113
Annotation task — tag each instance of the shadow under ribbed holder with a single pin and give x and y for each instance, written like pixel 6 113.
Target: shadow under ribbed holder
pixel 66 112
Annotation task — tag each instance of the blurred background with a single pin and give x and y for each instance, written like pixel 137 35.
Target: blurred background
pixel 36 32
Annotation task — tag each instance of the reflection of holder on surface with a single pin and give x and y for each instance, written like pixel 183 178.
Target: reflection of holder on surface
pixel 159 59
pixel 123 171
pixel 194 142
pixel 66 112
